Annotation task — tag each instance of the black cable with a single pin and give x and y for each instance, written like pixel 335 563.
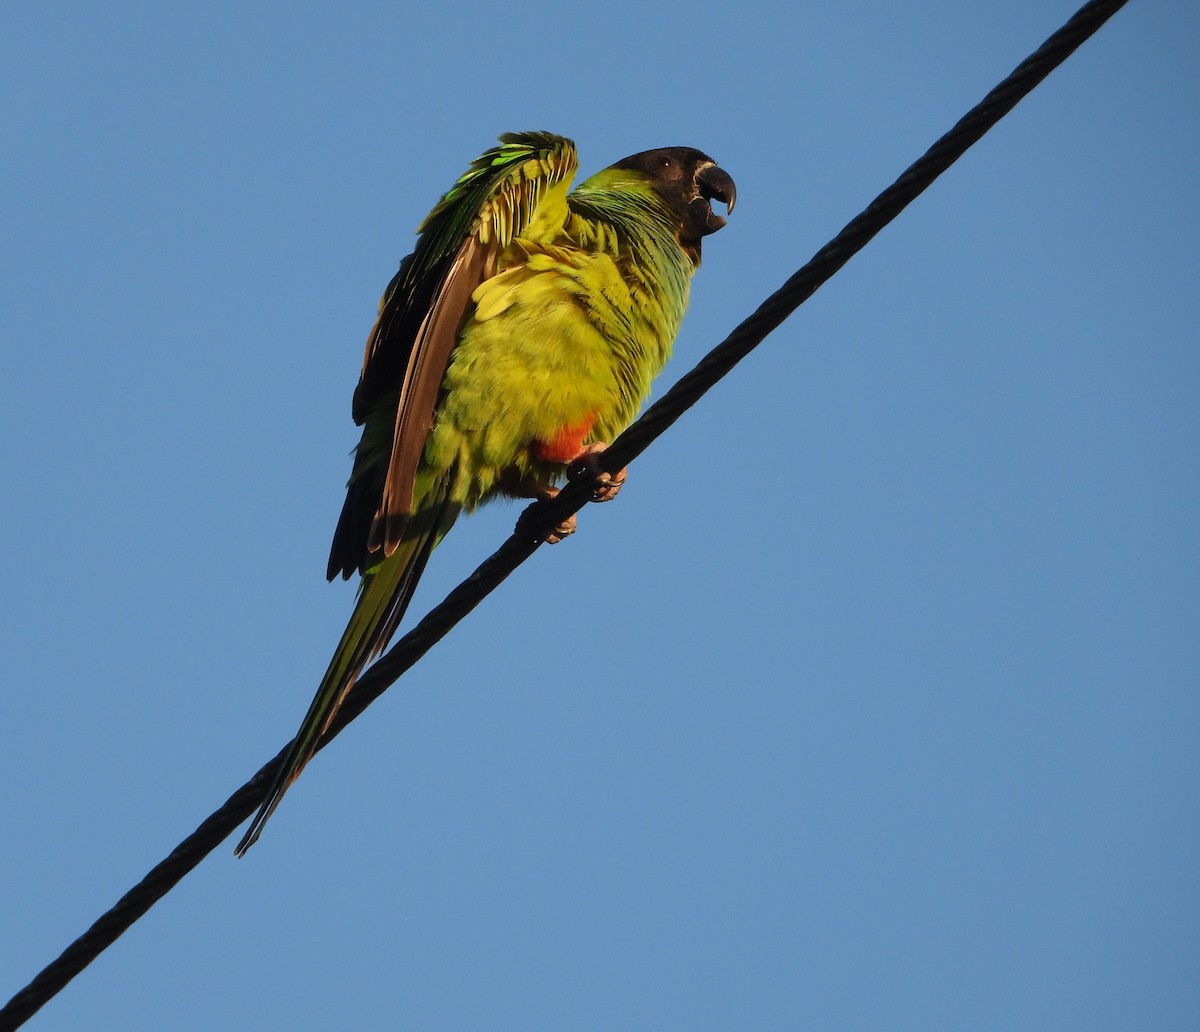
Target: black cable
pixel 656 419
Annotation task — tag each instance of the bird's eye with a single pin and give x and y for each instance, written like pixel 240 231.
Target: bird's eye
pixel 662 163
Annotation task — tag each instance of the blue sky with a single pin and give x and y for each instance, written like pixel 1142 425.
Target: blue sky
pixel 873 701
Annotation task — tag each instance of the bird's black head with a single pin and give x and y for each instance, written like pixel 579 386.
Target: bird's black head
pixel 688 180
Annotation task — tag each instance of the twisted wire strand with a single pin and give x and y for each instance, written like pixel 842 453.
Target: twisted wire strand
pixel 520 545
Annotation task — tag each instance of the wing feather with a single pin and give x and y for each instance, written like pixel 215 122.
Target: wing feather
pixel 422 311
pixel 427 363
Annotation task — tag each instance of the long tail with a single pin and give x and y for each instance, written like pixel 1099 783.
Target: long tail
pixel 382 598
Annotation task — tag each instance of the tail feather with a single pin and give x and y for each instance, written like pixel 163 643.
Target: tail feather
pixel 382 599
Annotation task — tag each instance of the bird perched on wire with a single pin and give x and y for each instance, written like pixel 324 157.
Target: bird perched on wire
pixel 520 335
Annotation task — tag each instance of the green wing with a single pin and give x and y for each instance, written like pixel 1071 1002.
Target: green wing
pixel 501 196
pixel 496 199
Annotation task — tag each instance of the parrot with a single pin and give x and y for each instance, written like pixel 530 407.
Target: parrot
pixel 519 337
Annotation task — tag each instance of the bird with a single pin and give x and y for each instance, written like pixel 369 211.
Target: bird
pixel 519 337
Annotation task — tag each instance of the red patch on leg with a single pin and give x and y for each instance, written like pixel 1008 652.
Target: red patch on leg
pixel 567 444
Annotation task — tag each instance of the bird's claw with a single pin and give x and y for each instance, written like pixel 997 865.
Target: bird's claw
pixel 560 530
pixel 532 522
pixel 605 485
pixel 608 484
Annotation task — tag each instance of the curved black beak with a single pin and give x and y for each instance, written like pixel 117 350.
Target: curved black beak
pixel 715 184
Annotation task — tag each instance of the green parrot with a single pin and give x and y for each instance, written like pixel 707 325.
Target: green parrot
pixel 520 335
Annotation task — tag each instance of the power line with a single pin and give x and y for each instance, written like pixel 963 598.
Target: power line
pixel 520 545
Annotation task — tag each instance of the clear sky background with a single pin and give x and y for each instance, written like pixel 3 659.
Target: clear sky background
pixel 871 704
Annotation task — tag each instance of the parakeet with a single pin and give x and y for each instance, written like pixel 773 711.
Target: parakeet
pixel 520 335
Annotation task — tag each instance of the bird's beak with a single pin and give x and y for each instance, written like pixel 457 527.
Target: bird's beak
pixel 713 183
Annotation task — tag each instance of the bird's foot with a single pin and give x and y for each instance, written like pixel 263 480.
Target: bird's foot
pixel 586 464
pixel 532 522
